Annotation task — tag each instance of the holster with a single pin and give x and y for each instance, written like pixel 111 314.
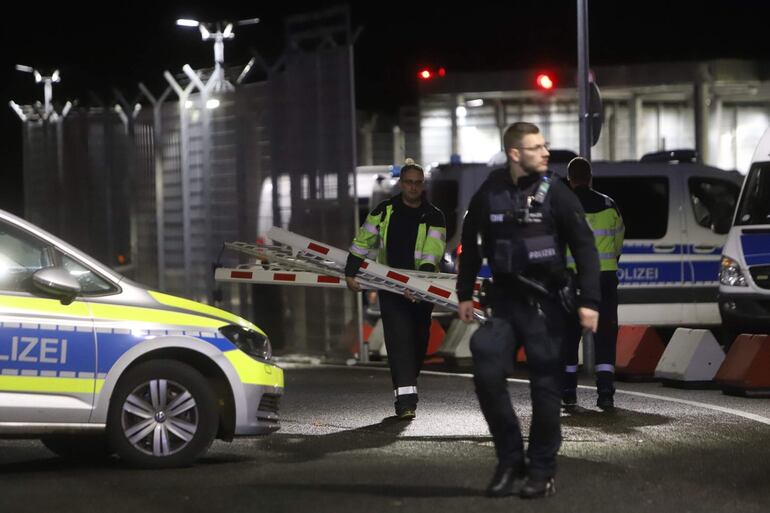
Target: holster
pixel 568 294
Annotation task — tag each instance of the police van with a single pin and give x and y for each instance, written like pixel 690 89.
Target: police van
pixel 744 289
pixel 94 364
pixel 677 214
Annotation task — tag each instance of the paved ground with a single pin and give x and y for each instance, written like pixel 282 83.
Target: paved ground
pixel 661 451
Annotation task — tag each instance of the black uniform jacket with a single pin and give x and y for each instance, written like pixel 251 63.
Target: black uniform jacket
pixel 571 229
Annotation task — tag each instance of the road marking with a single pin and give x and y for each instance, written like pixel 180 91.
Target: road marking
pixel 697 404
pixel 722 409
pixel 738 413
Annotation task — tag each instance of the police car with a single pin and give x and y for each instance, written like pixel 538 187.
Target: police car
pixel 93 364
pixel 744 290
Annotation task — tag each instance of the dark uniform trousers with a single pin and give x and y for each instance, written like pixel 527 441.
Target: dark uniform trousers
pixel 539 326
pixel 605 339
pixel 406 327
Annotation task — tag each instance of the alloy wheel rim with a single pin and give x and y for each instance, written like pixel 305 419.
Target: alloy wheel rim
pixel 160 417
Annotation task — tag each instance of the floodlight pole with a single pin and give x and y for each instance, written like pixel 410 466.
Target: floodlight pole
pixel 219 55
pixel 217 80
pixel 585 135
pixel 48 81
pixel 583 79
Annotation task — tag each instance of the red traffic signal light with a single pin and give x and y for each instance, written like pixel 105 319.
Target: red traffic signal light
pixel 544 82
pixel 429 73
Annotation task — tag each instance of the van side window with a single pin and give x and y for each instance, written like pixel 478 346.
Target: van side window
pixel 713 202
pixel 643 203
pixel 755 202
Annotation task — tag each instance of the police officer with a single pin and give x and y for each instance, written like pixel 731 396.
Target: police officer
pixel 409 233
pixel 524 219
pixel 607 224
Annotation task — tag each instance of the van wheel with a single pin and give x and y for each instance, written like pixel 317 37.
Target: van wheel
pixel 163 414
pixel 78 447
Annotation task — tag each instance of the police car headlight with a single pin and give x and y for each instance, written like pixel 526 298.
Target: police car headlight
pixel 250 342
pixel 730 273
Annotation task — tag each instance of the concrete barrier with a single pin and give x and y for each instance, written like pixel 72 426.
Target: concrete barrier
pixel 746 369
pixel 457 340
pixel 377 339
pixel 639 349
pixel 691 359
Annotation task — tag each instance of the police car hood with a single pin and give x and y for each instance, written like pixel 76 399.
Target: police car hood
pixel 137 307
pixel 195 308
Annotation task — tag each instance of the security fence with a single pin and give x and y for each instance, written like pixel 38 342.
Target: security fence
pixel 159 188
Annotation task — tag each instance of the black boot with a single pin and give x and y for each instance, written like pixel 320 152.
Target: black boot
pixel 538 488
pixel 406 412
pixel 605 387
pixel 406 406
pixel 569 390
pixel 605 401
pixel 506 481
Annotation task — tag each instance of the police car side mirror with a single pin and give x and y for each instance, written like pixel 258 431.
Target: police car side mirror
pixel 57 282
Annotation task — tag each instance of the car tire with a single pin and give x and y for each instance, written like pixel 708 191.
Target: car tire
pixel 78 447
pixel 163 413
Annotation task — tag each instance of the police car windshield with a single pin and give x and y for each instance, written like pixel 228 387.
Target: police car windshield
pixel 755 201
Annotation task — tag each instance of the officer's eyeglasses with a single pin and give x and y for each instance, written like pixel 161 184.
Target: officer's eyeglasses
pixel 416 183
pixel 540 147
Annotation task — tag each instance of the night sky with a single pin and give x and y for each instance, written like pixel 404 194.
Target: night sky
pixel 96 50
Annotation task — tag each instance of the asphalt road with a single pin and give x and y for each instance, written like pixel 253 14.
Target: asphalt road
pixel 663 450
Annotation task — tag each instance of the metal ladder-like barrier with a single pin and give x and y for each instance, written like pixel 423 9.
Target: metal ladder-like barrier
pixel 302 261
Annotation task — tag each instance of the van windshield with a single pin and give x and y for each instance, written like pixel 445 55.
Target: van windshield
pixel 643 203
pixel 755 201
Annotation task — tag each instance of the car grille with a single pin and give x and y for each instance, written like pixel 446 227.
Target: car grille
pixel 269 403
pixel 761 275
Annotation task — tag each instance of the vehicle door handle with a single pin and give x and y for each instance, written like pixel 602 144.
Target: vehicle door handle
pixel 704 249
pixel 663 248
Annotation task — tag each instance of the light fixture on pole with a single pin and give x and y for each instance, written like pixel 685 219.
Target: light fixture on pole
pixel 48 81
pixel 218 31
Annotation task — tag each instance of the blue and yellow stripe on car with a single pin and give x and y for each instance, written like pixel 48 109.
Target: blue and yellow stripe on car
pixel 109 330
pixel 37 306
pixel 48 385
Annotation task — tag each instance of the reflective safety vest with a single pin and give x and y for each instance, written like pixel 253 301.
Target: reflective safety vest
pixel 607 225
pixel 428 247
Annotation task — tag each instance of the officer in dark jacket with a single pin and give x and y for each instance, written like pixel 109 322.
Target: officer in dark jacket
pixel 525 219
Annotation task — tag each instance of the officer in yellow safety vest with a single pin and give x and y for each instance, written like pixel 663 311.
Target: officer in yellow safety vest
pixel 607 225
pixel 408 233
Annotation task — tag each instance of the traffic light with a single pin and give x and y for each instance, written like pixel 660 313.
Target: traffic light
pixel 545 82
pixel 430 73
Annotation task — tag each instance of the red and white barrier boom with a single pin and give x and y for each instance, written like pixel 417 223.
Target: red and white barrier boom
pixel 303 261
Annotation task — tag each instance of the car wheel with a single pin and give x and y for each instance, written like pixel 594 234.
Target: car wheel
pixel 78 447
pixel 163 413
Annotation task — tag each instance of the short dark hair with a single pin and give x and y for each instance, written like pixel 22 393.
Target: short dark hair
pixel 515 133
pixel 579 171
